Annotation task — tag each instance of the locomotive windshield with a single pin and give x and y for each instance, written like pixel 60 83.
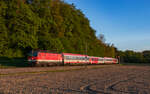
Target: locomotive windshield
pixel 33 53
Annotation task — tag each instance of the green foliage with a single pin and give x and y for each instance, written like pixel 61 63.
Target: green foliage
pixel 146 56
pixel 134 57
pixel 10 53
pixel 47 25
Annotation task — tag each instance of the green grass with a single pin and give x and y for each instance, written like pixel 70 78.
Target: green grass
pixel 39 72
pixel 135 64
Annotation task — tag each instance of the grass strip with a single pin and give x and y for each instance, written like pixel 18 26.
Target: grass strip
pixel 7 67
pixel 134 64
pixel 64 70
pixel 39 72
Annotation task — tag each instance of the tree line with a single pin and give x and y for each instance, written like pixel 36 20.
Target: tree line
pixel 130 56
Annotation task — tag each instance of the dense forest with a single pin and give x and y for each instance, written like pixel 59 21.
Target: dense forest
pixel 53 25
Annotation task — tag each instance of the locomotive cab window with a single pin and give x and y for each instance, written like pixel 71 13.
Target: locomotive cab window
pixel 33 53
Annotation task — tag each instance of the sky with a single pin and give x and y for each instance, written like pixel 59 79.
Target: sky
pixel 124 23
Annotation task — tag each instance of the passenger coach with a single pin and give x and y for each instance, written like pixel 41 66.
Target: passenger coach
pixel 75 58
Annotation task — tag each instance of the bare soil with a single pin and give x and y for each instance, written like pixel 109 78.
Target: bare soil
pixel 100 79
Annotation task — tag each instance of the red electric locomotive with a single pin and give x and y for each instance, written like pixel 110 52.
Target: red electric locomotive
pixel 44 58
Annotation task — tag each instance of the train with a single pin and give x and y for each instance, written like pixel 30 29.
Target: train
pixel 46 58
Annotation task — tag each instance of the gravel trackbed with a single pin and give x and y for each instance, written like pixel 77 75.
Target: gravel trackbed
pixel 100 79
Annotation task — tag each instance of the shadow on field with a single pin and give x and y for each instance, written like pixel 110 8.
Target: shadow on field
pixel 13 62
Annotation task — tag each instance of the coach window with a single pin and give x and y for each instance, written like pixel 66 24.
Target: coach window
pixel 66 57
pixel 69 57
pixel 77 58
pixel 100 59
pixel 109 60
pixel 74 58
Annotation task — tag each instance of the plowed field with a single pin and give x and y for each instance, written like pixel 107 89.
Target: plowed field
pixel 110 79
